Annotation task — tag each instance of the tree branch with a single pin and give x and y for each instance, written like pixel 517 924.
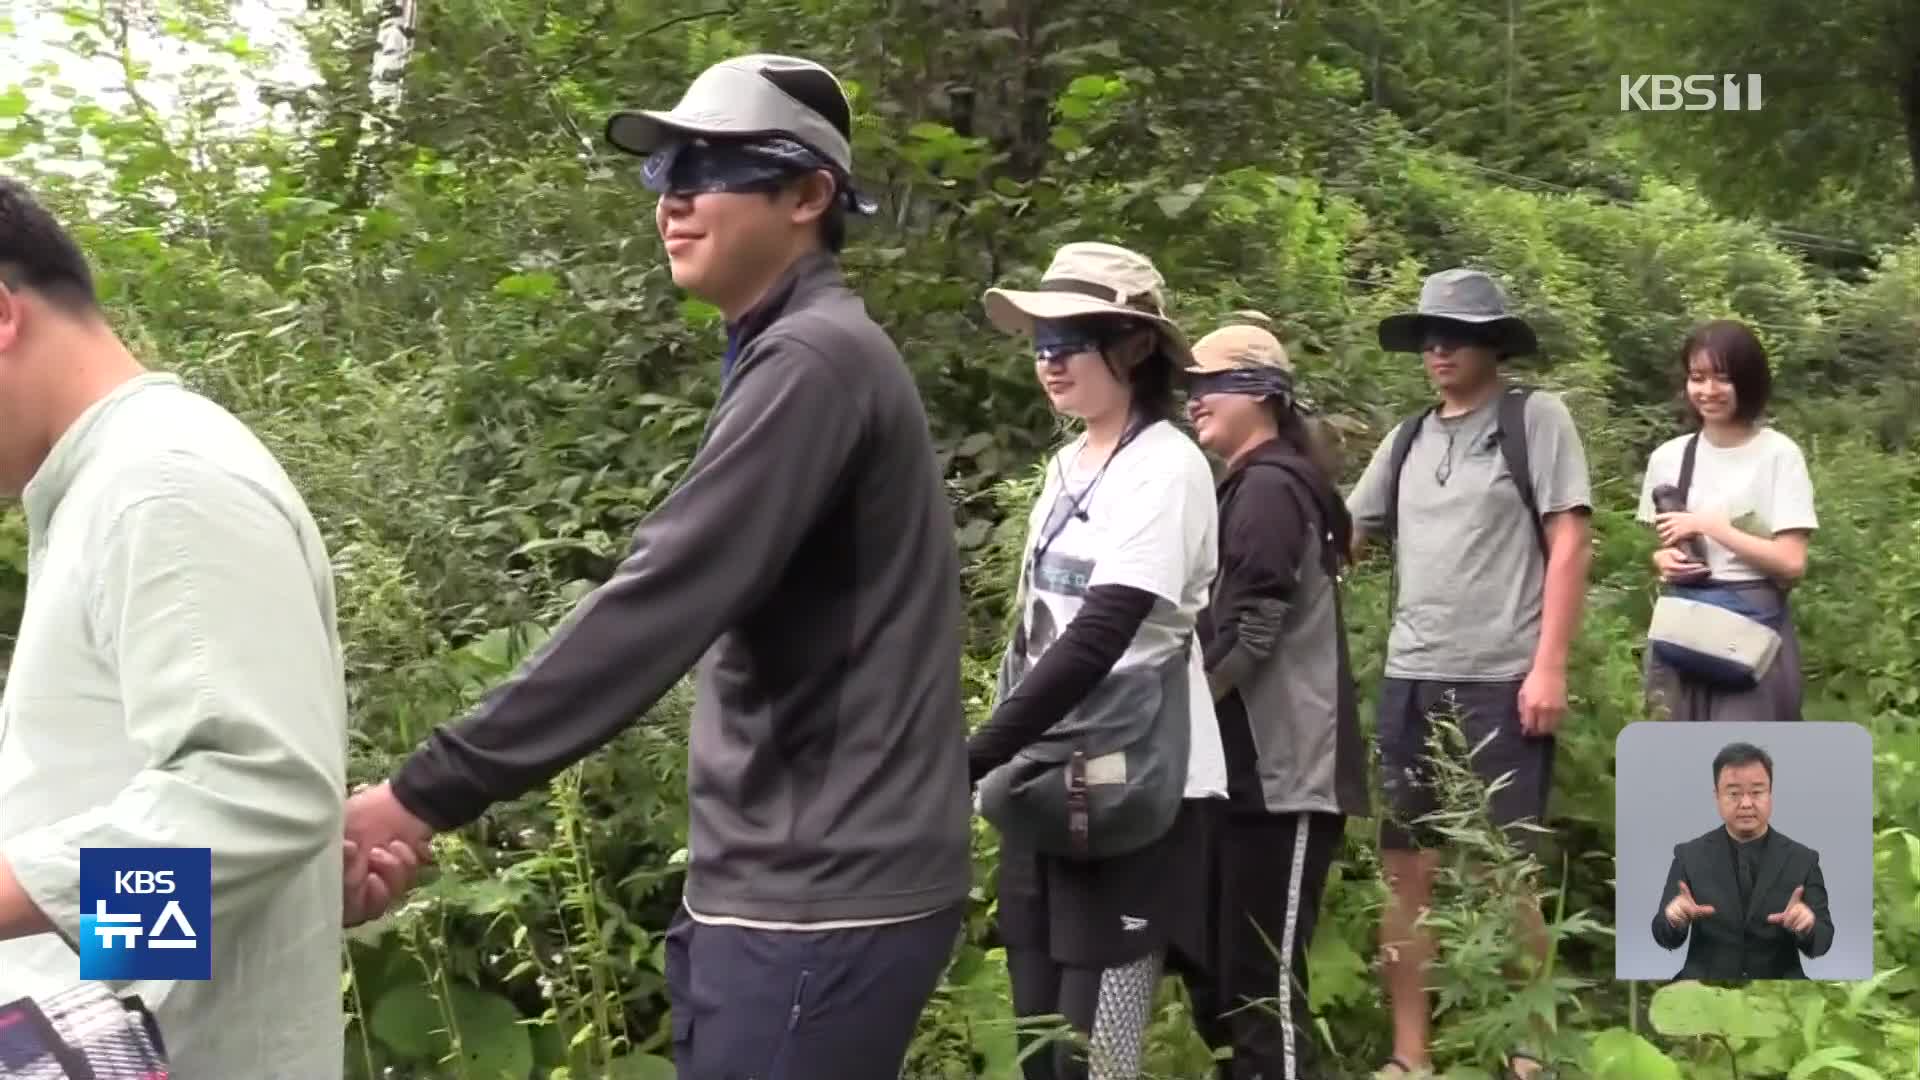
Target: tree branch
pixel 599 22
pixel 678 19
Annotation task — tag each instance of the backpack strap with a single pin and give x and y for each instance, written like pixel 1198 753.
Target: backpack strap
pixel 1512 428
pixel 1511 418
pixel 1686 466
pixel 1403 437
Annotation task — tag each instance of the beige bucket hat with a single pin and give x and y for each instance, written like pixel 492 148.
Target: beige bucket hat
pixel 1092 278
pixel 1239 346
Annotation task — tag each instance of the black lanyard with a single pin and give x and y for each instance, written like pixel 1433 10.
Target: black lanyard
pixel 1051 529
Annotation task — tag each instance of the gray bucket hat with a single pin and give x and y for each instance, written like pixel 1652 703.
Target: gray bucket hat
pixel 760 95
pixel 1462 296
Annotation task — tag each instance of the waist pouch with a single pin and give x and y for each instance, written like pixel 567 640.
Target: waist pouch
pixel 1107 780
pixel 85 1033
pixel 1715 634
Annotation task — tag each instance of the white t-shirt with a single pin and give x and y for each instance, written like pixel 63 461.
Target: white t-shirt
pixel 1761 486
pixel 1151 524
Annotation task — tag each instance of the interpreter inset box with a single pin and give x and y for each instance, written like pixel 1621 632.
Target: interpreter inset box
pixel 1744 851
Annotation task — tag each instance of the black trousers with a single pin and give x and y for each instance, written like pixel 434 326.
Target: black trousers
pixel 801 1005
pixel 1109 1007
pixel 1249 992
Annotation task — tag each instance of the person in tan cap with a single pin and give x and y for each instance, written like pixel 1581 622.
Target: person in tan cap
pixel 1283 689
pixel 1102 689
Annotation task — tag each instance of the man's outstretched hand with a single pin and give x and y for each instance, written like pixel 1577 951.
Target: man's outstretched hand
pixel 384 850
pixel 1683 909
pixel 1796 916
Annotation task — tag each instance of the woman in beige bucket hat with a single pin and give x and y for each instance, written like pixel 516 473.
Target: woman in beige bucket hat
pixel 1120 553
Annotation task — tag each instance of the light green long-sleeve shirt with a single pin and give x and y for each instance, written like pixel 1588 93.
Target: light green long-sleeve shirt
pixel 178 681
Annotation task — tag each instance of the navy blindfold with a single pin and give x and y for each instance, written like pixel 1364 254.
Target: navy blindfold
pixel 698 167
pixel 1251 382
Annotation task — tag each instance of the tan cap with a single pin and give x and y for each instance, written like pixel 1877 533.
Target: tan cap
pixel 1233 347
pixel 1090 278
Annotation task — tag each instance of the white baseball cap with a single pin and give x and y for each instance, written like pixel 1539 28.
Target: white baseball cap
pixel 762 94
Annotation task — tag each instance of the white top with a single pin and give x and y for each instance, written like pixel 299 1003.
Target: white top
pixel 1761 486
pixel 1151 524
pixel 178 682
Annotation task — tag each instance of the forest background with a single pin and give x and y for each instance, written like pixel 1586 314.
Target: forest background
pixel 401 251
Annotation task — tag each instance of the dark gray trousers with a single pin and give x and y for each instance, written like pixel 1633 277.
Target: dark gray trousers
pixel 801 1005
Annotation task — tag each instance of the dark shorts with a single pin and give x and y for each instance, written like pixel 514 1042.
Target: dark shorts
pixel 1406 708
pixel 1110 912
pixel 801 1005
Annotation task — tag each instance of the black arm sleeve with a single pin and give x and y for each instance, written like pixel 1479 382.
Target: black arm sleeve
pixel 1067 672
pixel 1264 537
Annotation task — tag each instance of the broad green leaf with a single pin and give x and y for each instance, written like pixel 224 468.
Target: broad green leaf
pixel 1821 1059
pixel 494 1044
pixel 538 285
pixel 13 102
pixel 700 313
pixel 404 1019
pixel 1338 973
pixel 1175 205
pixel 1619 1054
pixel 1693 1009
pixel 1087 86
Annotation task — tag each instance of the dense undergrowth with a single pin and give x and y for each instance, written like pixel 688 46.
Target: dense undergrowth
pixel 451 318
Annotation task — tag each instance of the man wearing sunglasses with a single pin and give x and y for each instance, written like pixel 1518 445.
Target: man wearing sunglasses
pixel 1489 578
pixel 807 561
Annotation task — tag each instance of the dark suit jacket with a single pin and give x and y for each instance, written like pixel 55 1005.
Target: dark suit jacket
pixel 1736 944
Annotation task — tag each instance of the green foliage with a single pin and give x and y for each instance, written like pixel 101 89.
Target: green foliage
pixel 1835 125
pixel 446 310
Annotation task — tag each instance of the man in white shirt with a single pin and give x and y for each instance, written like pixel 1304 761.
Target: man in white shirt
pixel 177 680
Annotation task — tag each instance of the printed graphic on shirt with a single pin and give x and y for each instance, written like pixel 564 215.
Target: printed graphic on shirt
pixel 1063 575
pixel 1147 522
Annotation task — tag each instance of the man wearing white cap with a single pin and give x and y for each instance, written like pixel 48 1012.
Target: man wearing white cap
pixel 807 561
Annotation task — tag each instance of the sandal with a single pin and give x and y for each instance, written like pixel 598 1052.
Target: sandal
pixel 1541 1072
pixel 1396 1068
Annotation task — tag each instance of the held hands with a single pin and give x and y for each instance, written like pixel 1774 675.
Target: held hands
pixel 1797 916
pixel 1683 909
pixel 1674 565
pixel 1681 526
pixel 1543 701
pixel 384 850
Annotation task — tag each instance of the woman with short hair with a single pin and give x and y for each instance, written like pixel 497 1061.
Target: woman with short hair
pixel 1732 505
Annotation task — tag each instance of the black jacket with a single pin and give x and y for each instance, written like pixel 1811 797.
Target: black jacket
pixel 1276 640
pixel 807 562
pixel 1733 943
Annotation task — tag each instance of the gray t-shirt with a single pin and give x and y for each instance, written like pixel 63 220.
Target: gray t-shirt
pixel 1469 577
